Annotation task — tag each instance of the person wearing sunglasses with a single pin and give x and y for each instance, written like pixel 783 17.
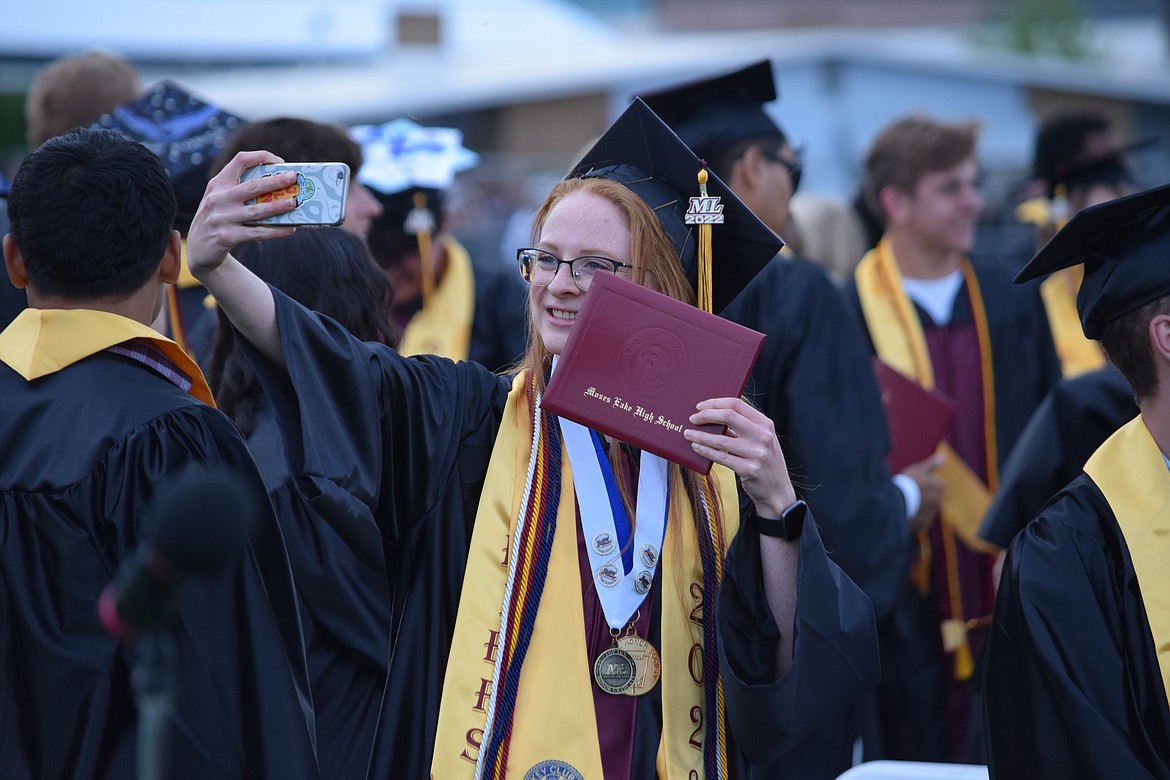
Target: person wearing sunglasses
pixel 813 377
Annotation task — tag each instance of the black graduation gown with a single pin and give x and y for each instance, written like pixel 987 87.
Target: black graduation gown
pixel 340 576
pixel 86 451
pixel 815 381
pixel 911 707
pixel 407 441
pixel 1075 418
pixel 1072 687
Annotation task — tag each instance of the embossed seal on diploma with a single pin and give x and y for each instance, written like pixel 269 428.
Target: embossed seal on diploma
pixel 653 362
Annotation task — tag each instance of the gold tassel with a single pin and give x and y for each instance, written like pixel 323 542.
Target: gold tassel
pixel 705 285
pixel 426 262
pixel 964 665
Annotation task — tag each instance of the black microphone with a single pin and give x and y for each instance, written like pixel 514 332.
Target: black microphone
pixel 201 523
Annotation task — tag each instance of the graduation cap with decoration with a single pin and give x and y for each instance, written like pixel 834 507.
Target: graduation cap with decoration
pixel 184 131
pixel 408 167
pixel 721 244
pixel 711 115
pixel 1125 247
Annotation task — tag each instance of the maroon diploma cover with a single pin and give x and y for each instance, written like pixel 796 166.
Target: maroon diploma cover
pixel 917 418
pixel 637 362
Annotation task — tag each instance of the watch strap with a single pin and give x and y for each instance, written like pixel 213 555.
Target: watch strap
pixel 788 526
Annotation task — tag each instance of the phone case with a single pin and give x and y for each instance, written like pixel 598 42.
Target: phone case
pixel 320 190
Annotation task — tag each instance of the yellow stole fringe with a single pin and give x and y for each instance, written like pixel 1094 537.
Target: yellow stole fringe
pixel 1131 472
pixel 554 717
pixel 898 339
pixel 1078 355
pixel 443 325
pixel 43 341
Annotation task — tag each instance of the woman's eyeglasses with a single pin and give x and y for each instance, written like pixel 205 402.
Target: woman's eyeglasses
pixel 539 268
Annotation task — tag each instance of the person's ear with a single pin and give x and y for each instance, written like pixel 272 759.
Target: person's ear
pixel 172 259
pixel 1159 334
pixel 894 203
pixel 751 167
pixel 14 262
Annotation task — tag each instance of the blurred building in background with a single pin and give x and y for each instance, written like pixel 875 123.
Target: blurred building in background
pixel 531 82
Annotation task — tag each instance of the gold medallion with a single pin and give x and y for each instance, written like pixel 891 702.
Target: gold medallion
pixel 614 671
pixel 647 665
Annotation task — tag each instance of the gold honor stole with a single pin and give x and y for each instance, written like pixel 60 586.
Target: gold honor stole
pixel 40 342
pixel 1131 472
pixel 1078 354
pixel 554 722
pixel 443 325
pixel 898 339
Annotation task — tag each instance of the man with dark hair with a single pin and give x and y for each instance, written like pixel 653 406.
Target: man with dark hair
pixel 813 378
pixel 968 332
pixel 102 417
pixel 1076 662
pixel 67 93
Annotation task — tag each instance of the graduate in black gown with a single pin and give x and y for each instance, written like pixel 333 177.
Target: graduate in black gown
pixel 101 417
pixel 407 442
pixel 339 570
pixel 963 329
pixel 1076 676
pixel 813 377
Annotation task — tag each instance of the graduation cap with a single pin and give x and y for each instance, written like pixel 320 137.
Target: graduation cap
pixel 1107 166
pixel 1125 247
pixel 402 154
pixel 712 115
pixel 641 152
pixel 408 166
pixel 185 132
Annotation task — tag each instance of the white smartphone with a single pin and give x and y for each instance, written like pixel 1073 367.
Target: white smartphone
pixel 320 191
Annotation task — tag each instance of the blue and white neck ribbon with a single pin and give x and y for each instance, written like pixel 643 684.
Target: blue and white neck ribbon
pixel 622 572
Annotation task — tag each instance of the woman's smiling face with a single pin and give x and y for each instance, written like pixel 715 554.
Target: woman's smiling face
pixel 581 223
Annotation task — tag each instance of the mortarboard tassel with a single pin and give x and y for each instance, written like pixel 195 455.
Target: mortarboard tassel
pixel 704 211
pixel 964 665
pixel 422 224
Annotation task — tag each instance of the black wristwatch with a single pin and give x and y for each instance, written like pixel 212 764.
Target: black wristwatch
pixel 790 524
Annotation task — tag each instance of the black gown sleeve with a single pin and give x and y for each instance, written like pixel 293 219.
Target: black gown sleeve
pixel 835 654
pixel 1072 683
pixel 371 435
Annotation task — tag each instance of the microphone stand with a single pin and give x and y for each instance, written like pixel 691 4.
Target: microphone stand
pixel 153 678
